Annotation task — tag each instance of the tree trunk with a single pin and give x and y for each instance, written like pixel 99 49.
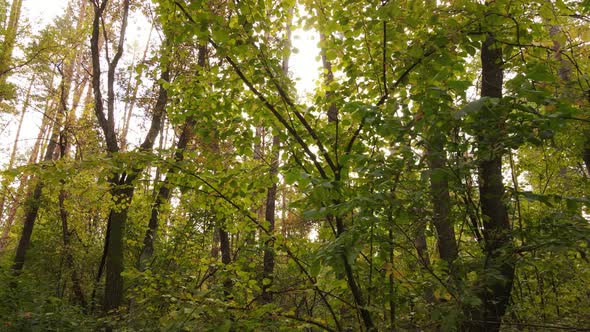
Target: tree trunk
pixel 499 258
pixel 225 247
pixel 423 255
pixel 7 89
pixel 122 192
pixel 23 179
pixel 439 189
pixel 133 97
pixel 268 259
pixel 32 205
pixel 269 216
pixel 5 183
pixel 164 194
pixel 69 257
pixel 122 184
pixel 165 191
pixel 33 201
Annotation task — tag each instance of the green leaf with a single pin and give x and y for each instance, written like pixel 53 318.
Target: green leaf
pixel 472 107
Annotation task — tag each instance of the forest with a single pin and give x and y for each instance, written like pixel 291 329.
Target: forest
pixel 435 176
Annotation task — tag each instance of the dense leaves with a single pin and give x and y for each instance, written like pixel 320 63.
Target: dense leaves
pixel 435 177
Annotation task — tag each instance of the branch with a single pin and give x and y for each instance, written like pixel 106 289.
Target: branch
pixel 25 63
pixel 303 121
pixel 159 111
pixel 386 95
pixel 263 99
pixel 271 236
pixel 312 322
pixel 113 66
pixel 110 138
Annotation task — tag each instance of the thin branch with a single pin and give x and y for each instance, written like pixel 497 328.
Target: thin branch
pixel 312 322
pixel 273 109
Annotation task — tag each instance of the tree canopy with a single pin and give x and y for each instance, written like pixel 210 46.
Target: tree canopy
pixel 434 177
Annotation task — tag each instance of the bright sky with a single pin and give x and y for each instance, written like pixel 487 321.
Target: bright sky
pixel 303 65
pixel 41 12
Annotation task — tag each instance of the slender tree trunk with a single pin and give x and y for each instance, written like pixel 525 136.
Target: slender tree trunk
pixel 439 189
pixel 225 248
pixel 391 283
pixel 423 255
pixel 47 120
pixel 353 285
pixel 24 179
pixel 165 191
pixel 221 229
pixel 269 216
pixel 33 201
pixel 69 257
pixel 271 194
pixel 128 112
pixel 328 79
pixel 5 183
pixel 164 194
pixel 499 258
pixel 6 90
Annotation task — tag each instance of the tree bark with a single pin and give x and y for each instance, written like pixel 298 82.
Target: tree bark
pixel 5 183
pixel 439 189
pixel 165 191
pixel 7 89
pixel 225 248
pixel 493 292
pixel 33 201
pixel 122 184
pixel 269 216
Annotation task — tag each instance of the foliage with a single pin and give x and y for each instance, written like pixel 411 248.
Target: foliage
pixel 356 237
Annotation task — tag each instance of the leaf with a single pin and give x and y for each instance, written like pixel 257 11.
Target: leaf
pixel 315 268
pixel 532 197
pixel 472 107
pixel 540 72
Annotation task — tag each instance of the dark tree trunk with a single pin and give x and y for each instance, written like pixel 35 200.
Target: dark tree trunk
pixel 122 184
pixel 499 259
pixel 32 204
pixel 69 257
pixel 439 188
pixel 586 153
pixel 165 191
pixel 225 248
pixel 123 193
pixel 269 253
pixel 163 196
pixel 31 210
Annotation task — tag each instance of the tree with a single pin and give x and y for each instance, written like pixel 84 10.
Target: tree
pixel 122 188
pixel 435 177
pixel 10 31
